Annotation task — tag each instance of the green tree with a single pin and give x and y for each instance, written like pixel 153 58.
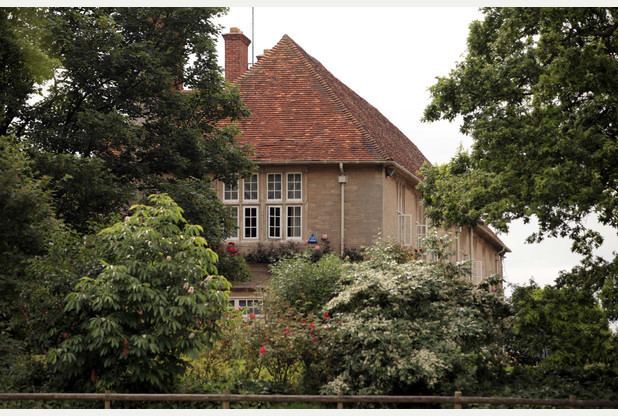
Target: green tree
pixel 26 223
pixel 155 297
pixel 112 121
pixel 24 61
pixel 559 328
pixel 536 91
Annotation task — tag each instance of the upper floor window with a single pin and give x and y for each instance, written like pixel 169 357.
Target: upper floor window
pixel 295 186
pixel 273 181
pixel 230 192
pixel 251 188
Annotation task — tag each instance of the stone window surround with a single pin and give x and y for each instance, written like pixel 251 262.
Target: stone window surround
pixel 264 202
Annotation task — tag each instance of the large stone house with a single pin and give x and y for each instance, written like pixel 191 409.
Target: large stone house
pixel 329 164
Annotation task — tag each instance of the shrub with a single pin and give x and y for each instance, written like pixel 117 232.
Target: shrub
pixel 269 254
pixel 304 284
pixel 233 267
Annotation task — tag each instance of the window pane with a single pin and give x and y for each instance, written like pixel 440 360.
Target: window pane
pixel 251 188
pixel 274 222
pixel 295 186
pixel 294 222
pixel 250 222
pixel 230 192
pixel 274 186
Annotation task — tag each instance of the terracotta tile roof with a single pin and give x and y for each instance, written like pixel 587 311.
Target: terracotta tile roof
pixel 300 111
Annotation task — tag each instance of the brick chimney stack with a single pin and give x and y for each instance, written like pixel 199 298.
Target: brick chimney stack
pixel 236 54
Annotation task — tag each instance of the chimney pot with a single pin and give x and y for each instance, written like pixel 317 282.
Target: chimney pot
pixel 236 54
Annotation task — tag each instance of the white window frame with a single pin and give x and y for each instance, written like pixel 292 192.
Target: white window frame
pixel 231 201
pixel 256 303
pixel 287 222
pixel 287 187
pixel 268 198
pixel 257 222
pixel 257 189
pixel 237 208
pixel 268 226
pixel 421 233
pixel 404 229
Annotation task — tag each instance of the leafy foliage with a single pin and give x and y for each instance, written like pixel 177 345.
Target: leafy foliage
pixel 270 254
pixel 234 268
pixel 559 328
pixel 114 120
pixel 26 222
pixel 536 93
pixel 24 61
pixel 200 203
pixel 412 326
pixel 155 298
pixel 304 284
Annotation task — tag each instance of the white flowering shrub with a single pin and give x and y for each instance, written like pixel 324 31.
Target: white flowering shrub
pixel 412 326
pixel 155 297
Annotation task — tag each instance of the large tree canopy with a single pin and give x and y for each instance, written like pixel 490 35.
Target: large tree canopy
pixel 115 117
pixel 24 62
pixel 538 93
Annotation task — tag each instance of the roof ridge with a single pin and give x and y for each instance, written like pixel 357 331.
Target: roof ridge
pixel 311 66
pixel 249 70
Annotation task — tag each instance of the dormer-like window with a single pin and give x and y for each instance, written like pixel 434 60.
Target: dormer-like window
pixel 250 192
pixel 230 192
pixel 273 183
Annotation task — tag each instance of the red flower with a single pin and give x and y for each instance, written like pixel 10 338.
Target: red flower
pixel 326 315
pixel 231 249
pixel 312 325
pixel 262 350
pixel 286 331
pixel 252 315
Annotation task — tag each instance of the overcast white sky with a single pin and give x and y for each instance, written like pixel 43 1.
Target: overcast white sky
pixel 391 56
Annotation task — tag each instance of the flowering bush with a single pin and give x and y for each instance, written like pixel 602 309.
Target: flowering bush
pixel 280 349
pixel 276 353
pixel 405 327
